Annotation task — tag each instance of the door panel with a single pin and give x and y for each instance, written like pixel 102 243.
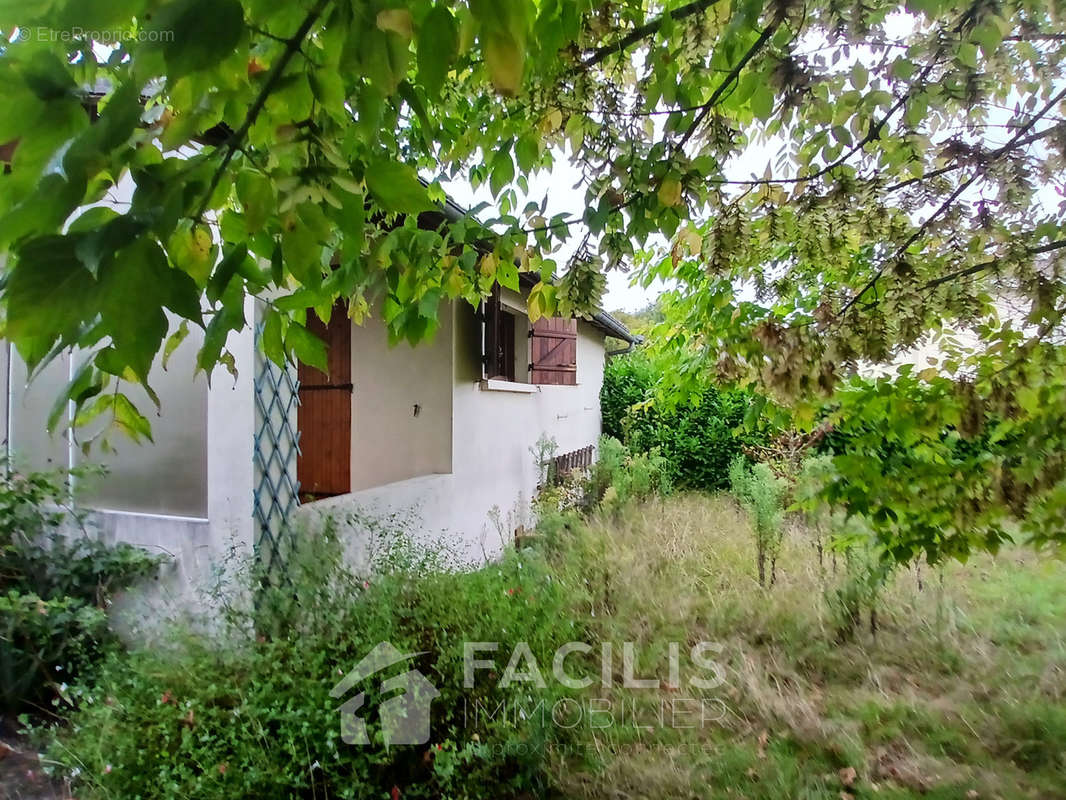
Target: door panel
pixel 325 415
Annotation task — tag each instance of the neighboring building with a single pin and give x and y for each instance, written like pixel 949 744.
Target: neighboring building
pixel 438 438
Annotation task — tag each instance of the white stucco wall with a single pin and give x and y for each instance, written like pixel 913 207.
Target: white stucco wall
pixel 472 510
pixel 204 553
pixel 460 474
pixel 390 442
pixel 198 543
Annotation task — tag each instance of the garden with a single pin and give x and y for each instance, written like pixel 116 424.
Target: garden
pixel 820 552
pixel 839 673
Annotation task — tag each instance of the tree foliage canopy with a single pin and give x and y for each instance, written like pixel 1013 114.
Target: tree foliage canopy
pixel 913 185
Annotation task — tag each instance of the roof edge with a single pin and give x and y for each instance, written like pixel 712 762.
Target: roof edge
pixel 613 327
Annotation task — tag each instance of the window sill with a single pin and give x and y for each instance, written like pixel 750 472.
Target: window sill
pixel 497 385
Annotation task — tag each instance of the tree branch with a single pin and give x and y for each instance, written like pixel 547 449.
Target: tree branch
pixel 974 269
pixel 1036 37
pixel 952 198
pixel 292 46
pixel 871 135
pixel 641 32
pixel 1023 142
pixel 764 37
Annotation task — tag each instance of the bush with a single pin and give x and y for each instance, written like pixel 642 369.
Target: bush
pixel 620 476
pixel 698 437
pixel 238 716
pixel 627 380
pixel 54 586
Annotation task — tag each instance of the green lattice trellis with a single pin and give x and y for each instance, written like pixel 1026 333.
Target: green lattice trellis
pixel 277 445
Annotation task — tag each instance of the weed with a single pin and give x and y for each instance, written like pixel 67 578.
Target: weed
pixel 942 703
pixel 761 493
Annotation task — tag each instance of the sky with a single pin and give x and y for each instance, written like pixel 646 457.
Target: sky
pixel 563 198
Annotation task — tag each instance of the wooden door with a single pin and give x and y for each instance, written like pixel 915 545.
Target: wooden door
pixel 325 415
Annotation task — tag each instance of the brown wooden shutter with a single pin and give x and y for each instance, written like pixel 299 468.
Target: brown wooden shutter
pixel 554 351
pixel 325 415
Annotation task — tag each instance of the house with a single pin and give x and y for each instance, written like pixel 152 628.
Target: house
pixel 437 438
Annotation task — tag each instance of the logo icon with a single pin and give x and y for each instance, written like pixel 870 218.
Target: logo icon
pixel 404 712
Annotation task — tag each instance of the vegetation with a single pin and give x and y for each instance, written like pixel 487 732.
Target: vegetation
pixel 619 476
pixel 226 717
pixel 698 435
pixel 762 494
pixel 892 284
pixel 910 151
pixel 920 709
pixel 958 695
pixel 56 581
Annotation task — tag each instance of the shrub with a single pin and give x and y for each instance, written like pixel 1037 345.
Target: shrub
pixel 54 586
pixel 44 641
pixel 761 493
pixel 627 380
pixel 698 437
pixel 237 716
pixel 620 476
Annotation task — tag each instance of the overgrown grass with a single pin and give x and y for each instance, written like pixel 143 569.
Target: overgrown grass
pixel 960 694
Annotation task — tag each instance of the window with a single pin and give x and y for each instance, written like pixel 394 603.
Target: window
pixel 502 355
pixel 505 357
pixel 543 353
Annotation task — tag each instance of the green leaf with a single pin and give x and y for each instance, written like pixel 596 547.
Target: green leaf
pixel 302 253
pixel 507 275
pixel 527 152
pixel 670 192
pixel 762 101
pixel 968 54
pixel 129 420
pixel 396 187
pixel 989 37
pixel 192 250
pixel 504 28
pixel 196 34
pixel 438 46
pixel 49 294
pixel 384 58
pixel 47 76
pixel 85 384
pixel 94 217
pixel 505 58
pixel 860 76
pixel 256 194
pixel 502 172
pixel 396 20
pixel 87 414
pixel 229 317
pixel 903 68
pixel 328 88
pixel 134 287
pixel 307 347
pixel 174 342
pixel 273 337
pixel 231 262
